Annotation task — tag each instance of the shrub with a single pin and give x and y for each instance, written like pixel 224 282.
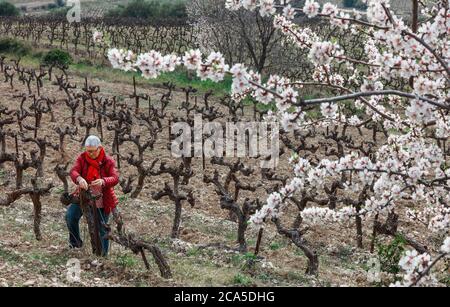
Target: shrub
pixel 8 9
pixel 57 58
pixel 13 46
pixel 58 11
pixel 144 9
pixel 173 9
pixel 60 3
pixel 51 6
pixel 357 4
pixel 390 255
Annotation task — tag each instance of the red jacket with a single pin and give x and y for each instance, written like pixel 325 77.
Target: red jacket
pixel 109 174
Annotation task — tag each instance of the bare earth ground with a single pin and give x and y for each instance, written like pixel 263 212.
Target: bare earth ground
pixel 27 262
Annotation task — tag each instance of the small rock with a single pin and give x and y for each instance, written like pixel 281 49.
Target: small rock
pixel 267 265
pixel 21 221
pixel 29 283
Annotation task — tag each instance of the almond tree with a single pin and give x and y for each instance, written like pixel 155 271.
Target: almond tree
pixel 399 84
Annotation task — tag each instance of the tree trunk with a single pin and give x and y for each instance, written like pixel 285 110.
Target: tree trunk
pixel 176 220
pixel 90 216
pixel 313 259
pixel 241 235
pixel 414 27
pixel 37 212
pixel 139 186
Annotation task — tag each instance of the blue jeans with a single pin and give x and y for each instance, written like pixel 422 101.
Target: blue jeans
pixel 73 217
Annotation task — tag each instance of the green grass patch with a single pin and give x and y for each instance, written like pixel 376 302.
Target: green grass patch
pixel 345 253
pixel 51 260
pixel 199 272
pixel 8 256
pixel 242 280
pixel 180 77
pixel 231 236
pixel 241 260
pixel 297 277
pixel 125 261
pixel 193 252
pixel 275 246
pixel 123 199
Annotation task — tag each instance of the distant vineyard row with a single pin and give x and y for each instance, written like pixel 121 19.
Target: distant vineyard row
pixel 168 36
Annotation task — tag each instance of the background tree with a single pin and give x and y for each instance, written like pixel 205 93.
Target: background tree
pixel 8 9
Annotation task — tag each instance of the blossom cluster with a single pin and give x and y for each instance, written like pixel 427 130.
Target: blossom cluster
pixel 414 265
pixel 417 266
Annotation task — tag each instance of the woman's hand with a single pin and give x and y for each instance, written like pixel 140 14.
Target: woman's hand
pixel 83 184
pixel 98 182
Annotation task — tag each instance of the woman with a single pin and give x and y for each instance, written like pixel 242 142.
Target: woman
pixel 94 171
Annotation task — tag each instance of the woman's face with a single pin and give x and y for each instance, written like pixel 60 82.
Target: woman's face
pixel 93 152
